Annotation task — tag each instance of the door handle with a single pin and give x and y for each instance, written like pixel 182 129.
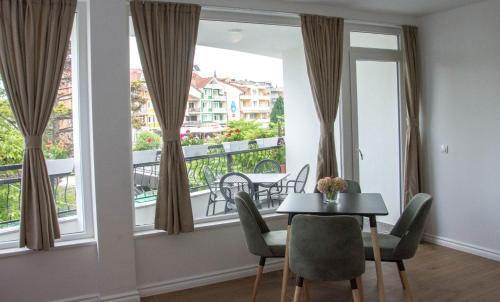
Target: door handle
pixel 360 154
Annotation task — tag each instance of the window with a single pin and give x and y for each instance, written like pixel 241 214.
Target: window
pixel 374 40
pixel 228 75
pixel 65 142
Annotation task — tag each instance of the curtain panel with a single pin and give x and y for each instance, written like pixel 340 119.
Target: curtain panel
pixel 323 44
pixel 411 75
pixel 34 39
pixel 166 37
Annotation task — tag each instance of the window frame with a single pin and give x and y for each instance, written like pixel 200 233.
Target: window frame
pixel 81 134
pixel 237 16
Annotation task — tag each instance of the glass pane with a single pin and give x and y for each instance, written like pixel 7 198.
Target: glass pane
pixel 234 116
pixel 370 40
pixel 378 132
pixel 59 149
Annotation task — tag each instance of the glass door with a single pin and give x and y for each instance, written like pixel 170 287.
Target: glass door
pixel 376 125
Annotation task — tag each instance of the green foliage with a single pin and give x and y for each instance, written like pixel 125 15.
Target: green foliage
pixel 138 98
pixel 11 140
pixel 147 140
pixel 58 150
pixel 190 139
pixel 278 110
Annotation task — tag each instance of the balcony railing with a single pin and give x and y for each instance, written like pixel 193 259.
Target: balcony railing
pixel 62 179
pixel 219 160
pixel 230 157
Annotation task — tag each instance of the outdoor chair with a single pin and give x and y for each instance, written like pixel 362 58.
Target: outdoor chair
pixel 233 183
pixel 211 182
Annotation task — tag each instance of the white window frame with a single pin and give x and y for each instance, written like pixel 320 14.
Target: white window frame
pixel 81 134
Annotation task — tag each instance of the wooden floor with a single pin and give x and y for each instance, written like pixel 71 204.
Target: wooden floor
pixel 436 274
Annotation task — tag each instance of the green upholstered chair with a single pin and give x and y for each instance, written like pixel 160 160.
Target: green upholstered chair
pixel 353 187
pixel 326 248
pixel 402 242
pixel 260 240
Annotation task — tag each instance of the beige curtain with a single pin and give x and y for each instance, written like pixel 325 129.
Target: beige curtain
pixel 34 38
pixel 323 44
pixel 166 36
pixel 412 90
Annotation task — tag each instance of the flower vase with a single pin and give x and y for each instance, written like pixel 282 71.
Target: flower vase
pixel 332 197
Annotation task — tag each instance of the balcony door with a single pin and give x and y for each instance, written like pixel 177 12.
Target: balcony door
pixel 376 115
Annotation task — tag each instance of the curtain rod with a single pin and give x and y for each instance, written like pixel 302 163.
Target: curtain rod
pixel 274 13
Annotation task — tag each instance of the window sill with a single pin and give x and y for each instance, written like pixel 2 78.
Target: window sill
pixel 10 252
pixel 206 225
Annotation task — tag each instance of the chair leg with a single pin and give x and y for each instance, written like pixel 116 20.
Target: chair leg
pixel 298 289
pixel 359 282
pixel 355 291
pixel 404 279
pixel 258 277
pixel 307 293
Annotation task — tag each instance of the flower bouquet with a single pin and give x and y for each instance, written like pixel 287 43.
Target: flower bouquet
pixel 331 186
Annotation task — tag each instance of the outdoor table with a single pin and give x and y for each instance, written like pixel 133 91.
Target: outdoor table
pixel 363 204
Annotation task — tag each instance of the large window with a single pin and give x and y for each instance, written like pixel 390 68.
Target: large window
pixel 63 141
pixel 235 116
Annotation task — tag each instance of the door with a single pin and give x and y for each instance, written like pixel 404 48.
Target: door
pixel 376 125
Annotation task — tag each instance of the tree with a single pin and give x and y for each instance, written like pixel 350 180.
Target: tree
pixel 278 110
pixel 147 140
pixel 138 98
pixel 11 140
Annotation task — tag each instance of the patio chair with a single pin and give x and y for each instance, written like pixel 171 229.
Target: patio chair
pixel 268 166
pixel 233 183
pixel 211 181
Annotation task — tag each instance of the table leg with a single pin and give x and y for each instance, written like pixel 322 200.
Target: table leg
pixel 285 263
pixel 377 258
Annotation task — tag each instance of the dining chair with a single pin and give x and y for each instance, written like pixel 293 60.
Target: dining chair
pixel 259 239
pixel 326 248
pixel 402 242
pixel 354 187
pixel 233 183
pixel 211 182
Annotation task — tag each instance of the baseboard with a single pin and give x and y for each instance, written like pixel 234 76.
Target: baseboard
pixel 463 247
pixel 131 296
pixel 85 298
pixel 206 279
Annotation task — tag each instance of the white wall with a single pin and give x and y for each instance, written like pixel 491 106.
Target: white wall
pixel 301 120
pixel 120 264
pixel 460 52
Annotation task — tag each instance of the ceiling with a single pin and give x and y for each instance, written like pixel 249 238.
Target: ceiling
pixel 409 7
pixel 266 40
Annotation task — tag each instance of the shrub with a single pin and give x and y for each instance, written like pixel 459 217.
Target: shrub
pixel 147 140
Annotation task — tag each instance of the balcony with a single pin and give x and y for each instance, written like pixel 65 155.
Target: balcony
pixel 256 109
pixel 219 158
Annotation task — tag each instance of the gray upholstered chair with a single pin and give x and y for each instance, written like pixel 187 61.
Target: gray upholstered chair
pixel 402 242
pixel 260 240
pixel 354 187
pixel 326 248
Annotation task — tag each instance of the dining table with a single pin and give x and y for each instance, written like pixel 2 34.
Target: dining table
pixel 265 179
pixel 368 205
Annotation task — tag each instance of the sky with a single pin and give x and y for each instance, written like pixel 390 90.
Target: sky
pixel 228 63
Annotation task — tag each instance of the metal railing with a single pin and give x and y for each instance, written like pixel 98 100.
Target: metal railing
pixel 218 160
pixel 146 175
pixel 10 194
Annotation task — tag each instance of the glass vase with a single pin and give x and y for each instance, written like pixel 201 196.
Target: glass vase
pixel 332 197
